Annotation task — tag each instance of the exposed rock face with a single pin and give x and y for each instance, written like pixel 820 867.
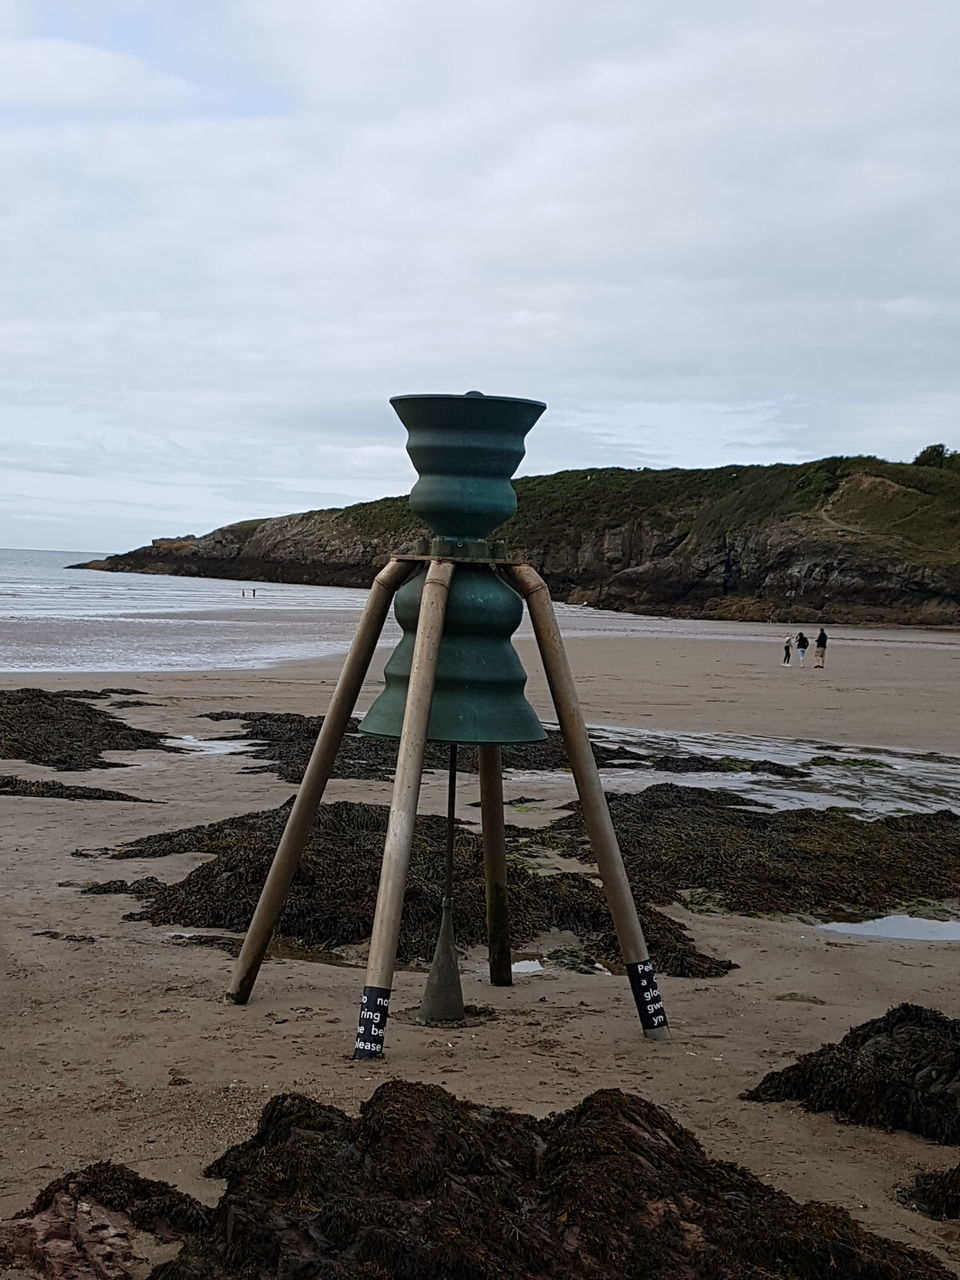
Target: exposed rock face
pixel 843 539
pixel 770 570
pixel 319 547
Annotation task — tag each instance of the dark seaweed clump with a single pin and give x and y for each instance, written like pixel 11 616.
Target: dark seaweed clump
pixel 62 731
pixel 150 1204
pixel 142 888
pixel 287 741
pixel 92 695
pixel 333 895
pixel 422 1186
pixel 901 1071
pixel 10 785
pixel 82 1226
pixel 935 1194
pixel 681 842
pixel 693 762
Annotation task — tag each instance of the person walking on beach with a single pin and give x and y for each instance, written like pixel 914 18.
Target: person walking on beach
pixel 787 650
pixel 803 644
pixel 820 653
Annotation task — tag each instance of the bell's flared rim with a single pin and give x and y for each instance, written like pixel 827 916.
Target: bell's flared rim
pixel 440 395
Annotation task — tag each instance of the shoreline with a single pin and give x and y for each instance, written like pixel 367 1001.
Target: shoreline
pixel 876 690
pixel 724 607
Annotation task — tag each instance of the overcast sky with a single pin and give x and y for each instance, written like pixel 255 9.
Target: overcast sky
pixel 703 232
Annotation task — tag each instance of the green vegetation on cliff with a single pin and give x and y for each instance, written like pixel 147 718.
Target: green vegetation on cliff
pixel 841 538
pixel 918 504
pixel 386 517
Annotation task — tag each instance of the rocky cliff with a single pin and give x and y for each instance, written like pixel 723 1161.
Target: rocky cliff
pixel 841 539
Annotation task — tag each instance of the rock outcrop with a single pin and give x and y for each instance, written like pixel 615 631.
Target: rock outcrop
pixel 841 540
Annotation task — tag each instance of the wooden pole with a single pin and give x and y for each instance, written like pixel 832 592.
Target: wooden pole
pixel 375 1000
pixel 273 895
pixel 596 815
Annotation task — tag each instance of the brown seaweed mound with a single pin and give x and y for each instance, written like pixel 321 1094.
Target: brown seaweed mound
pixel 60 730
pixel 150 1204
pixel 287 740
pixel 822 862
pixel 423 1186
pixel 935 1194
pixel 10 785
pixel 81 1227
pixel 333 895
pixel 901 1071
pixel 694 762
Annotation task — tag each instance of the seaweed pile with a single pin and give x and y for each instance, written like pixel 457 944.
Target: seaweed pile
pixel 422 1186
pixel 62 731
pixel 698 845
pixel 333 895
pixel 935 1194
pixel 286 740
pixel 901 1071
pixel 693 762
pixel 92 695
pixel 10 785
pixel 82 1226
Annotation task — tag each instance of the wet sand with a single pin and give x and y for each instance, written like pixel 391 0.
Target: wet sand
pixel 896 687
pixel 114 1042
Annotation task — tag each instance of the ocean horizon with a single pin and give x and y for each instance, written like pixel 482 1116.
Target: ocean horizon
pixel 56 619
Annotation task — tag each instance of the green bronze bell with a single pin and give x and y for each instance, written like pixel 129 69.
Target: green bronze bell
pixel 465 449
pixel 478 693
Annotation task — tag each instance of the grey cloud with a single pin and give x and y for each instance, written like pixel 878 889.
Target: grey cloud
pixel 696 231
pixel 51 75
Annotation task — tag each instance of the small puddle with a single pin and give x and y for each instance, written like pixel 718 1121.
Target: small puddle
pixel 278 950
pixel 870 780
pixel 209 746
pixel 913 928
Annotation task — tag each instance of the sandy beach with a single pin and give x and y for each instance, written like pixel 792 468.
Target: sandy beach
pixel 115 1042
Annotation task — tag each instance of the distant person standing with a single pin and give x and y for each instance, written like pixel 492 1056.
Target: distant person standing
pixel 820 653
pixel 803 644
pixel 787 650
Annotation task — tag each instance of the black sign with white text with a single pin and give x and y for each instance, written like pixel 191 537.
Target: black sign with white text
pixel 643 984
pixel 371 1029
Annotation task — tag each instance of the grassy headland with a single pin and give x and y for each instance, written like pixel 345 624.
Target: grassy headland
pixel 849 539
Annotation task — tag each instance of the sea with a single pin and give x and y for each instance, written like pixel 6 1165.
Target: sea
pixel 53 618
pixel 57 619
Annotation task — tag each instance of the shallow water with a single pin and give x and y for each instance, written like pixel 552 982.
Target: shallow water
pixel 900 781
pixel 210 746
pixel 906 927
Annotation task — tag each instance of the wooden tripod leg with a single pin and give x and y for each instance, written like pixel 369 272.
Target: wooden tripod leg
pixel 375 1000
pixel 596 815
pixel 273 895
pixel 495 866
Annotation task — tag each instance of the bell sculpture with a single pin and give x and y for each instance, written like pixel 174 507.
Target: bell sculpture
pixel 465 448
pixel 454 678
